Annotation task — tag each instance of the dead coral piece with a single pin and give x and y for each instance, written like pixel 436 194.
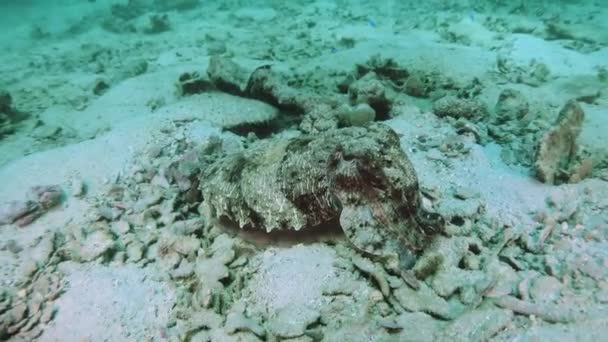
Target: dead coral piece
pixel 425 300
pixel 534 74
pixel 190 83
pixel 47 196
pixel 368 267
pixel 227 76
pixel 268 86
pixel 424 84
pixel 557 149
pixel 210 271
pixel 511 105
pixel 477 325
pixel 12 211
pixel 510 123
pixel 40 200
pixel 197 321
pixel 548 312
pixel 95 245
pixel 292 321
pixel 23 309
pixel 265 85
pixel 369 89
pixel 445 263
pixel 385 68
pixel 545 289
pixel 237 321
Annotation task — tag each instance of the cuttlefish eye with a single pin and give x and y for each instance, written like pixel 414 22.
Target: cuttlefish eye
pixel 347 171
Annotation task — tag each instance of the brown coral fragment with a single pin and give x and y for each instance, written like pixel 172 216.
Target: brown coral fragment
pixel 40 200
pixel 227 75
pixel 557 150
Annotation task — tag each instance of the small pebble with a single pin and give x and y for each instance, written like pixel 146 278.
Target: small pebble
pixel 121 227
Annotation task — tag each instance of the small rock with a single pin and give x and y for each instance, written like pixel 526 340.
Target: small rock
pixel 47 313
pixel 28 218
pixel 506 280
pixel 187 245
pixel 187 227
pixel 135 251
pixel 161 181
pixel 27 268
pixel 545 289
pixel 41 253
pixel 184 270
pixel 236 321
pixel 121 227
pixel 371 90
pixel 17 312
pixel 146 201
pixel 108 213
pixel 12 246
pixel 206 320
pixel 95 245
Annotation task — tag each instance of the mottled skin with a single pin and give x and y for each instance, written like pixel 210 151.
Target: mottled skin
pixel 359 175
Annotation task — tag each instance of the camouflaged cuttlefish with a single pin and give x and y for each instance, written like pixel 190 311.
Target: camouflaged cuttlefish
pixel 359 175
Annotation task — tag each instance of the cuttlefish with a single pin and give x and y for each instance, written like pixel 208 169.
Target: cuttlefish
pixel 359 176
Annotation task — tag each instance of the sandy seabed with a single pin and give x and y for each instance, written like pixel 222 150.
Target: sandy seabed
pixel 502 108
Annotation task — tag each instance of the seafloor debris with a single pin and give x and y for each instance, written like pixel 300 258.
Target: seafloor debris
pixel 224 286
pixel 227 75
pixel 557 150
pixel 509 120
pixel 9 116
pixel 534 74
pixel 359 176
pixel 157 23
pixel 27 304
pixel 511 105
pixel 385 68
pixel 40 199
pixel 370 89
